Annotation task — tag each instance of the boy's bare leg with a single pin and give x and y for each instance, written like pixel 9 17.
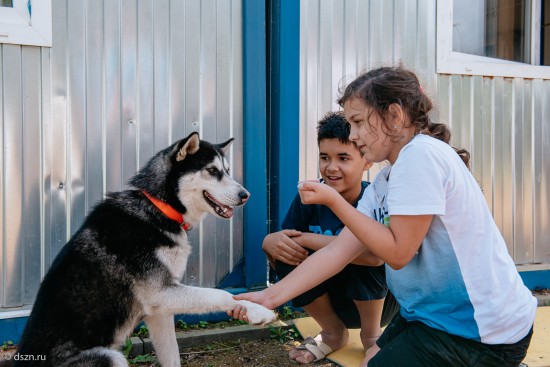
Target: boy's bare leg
pixel 370 313
pixel 333 331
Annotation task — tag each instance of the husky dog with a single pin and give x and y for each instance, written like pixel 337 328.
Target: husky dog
pixel 125 264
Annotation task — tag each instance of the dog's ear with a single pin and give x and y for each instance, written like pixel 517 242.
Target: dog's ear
pixel 190 146
pixel 225 146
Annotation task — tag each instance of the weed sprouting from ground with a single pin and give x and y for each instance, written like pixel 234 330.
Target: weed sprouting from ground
pixel 6 344
pixel 283 335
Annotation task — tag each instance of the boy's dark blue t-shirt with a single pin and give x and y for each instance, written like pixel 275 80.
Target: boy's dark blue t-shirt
pixel 315 218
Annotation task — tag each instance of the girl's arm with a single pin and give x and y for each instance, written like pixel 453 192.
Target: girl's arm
pixel 318 267
pixel 315 241
pixel 395 245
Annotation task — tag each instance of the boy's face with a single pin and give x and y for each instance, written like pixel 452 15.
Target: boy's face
pixel 342 166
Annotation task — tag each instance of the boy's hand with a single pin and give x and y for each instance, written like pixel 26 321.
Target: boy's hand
pixel 315 192
pixel 279 246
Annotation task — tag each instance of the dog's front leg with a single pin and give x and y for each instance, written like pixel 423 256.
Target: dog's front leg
pixel 163 335
pixel 181 299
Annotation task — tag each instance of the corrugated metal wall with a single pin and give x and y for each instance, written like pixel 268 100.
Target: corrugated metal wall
pixel 503 122
pixel 123 79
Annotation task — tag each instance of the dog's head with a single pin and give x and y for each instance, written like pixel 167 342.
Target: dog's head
pixel 193 177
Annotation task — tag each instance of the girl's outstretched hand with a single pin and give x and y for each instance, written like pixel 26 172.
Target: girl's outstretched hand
pixel 239 312
pixel 257 297
pixel 315 192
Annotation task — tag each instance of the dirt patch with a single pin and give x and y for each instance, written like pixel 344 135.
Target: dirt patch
pixel 237 353
pixel 271 351
pixel 250 353
pixel 541 291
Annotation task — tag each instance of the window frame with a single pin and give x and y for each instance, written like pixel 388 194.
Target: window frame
pixel 453 62
pixel 18 26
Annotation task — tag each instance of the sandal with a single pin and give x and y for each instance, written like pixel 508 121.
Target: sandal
pixel 319 349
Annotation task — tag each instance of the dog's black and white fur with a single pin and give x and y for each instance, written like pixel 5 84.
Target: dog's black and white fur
pixel 125 264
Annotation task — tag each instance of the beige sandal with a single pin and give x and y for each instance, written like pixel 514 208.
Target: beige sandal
pixel 319 349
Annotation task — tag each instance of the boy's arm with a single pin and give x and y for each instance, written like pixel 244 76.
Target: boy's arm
pixel 282 246
pixel 315 241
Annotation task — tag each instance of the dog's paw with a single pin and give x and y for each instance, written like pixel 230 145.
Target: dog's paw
pixel 258 314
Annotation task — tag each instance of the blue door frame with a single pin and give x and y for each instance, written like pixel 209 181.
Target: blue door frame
pixel 255 133
pixel 271 122
pixel 283 106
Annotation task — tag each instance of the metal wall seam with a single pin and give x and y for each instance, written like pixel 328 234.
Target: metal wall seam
pixel 2 188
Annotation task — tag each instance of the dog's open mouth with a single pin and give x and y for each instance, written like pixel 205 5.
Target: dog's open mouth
pixel 223 211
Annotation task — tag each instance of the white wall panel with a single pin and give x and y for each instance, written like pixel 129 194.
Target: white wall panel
pixel 123 79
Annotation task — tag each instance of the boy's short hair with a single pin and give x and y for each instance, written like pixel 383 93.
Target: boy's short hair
pixel 333 126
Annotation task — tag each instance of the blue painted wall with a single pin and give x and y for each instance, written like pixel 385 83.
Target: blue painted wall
pixel 536 279
pixel 255 149
pixel 271 122
pixel 283 106
pixel 11 329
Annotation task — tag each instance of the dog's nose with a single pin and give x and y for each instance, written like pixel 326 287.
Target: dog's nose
pixel 244 195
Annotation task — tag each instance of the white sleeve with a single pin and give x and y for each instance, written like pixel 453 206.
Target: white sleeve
pixel 364 204
pixel 373 196
pixel 417 183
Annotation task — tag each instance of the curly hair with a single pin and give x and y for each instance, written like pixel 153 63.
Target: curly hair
pixel 381 87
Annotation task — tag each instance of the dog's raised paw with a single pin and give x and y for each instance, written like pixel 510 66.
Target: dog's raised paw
pixel 258 314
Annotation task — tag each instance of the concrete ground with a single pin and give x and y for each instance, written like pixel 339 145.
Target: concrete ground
pixel 539 350
pixel 351 355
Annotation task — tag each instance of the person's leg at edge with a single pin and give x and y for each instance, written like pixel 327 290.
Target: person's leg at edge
pixel 333 331
pixel 370 313
pixel 396 326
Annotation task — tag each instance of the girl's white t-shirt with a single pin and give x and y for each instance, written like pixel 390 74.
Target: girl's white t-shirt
pixel 462 279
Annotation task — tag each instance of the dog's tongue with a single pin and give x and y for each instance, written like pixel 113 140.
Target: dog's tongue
pixel 225 211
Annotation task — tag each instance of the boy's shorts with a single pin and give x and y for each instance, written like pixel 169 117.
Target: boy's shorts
pixel 414 344
pixel 354 282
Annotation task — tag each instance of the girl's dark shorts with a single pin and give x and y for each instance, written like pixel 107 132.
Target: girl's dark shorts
pixel 354 282
pixel 414 344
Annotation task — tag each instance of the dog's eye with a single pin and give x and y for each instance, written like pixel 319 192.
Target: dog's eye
pixel 213 171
